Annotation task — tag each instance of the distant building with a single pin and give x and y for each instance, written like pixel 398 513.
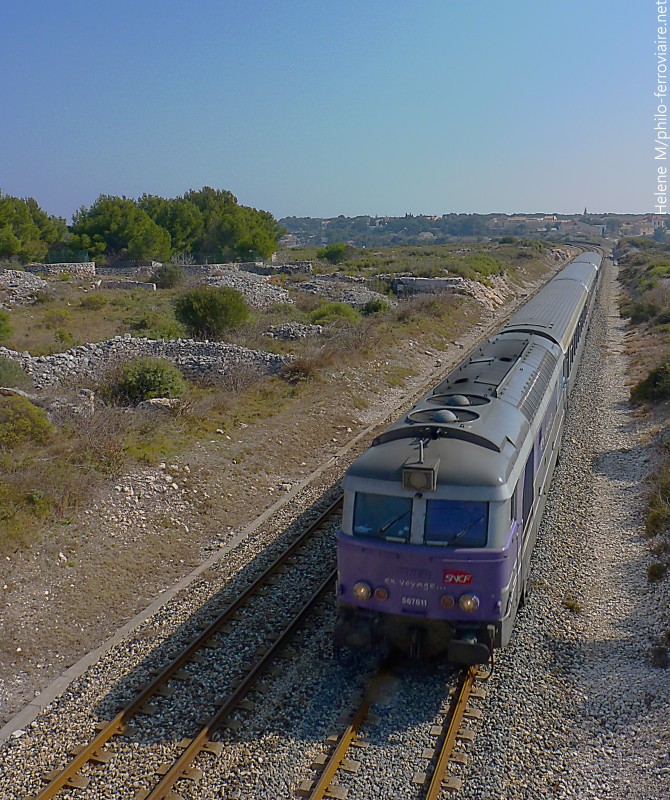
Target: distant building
pixel 637 228
pixel 657 220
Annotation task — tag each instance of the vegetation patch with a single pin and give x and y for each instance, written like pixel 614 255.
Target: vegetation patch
pixel 12 375
pixel 209 311
pixel 655 387
pixel 572 604
pixel 144 379
pixel 5 326
pixel 168 276
pixel 329 312
pixel 645 274
pixel 22 422
pixel 93 302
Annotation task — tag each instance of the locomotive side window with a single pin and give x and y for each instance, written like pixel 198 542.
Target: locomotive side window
pixel 382 516
pixel 528 488
pixel 456 522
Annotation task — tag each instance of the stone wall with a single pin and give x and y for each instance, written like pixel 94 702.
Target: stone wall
pixel 83 269
pixel 200 361
pixel 409 284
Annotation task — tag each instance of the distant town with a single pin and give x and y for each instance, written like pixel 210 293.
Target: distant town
pixel 366 231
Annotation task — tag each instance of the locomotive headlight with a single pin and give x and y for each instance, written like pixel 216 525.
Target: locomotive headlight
pixel 420 478
pixel 468 602
pixel 362 591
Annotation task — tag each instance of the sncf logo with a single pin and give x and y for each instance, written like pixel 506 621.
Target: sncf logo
pixel 455 577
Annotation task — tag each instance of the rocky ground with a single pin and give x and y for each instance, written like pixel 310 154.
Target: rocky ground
pixel 17 287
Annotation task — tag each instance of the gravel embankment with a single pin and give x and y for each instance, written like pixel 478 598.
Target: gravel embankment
pixel 258 291
pixel 18 287
pixel 576 708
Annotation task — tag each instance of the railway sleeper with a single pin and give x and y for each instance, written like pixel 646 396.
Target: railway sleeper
pixel 74 782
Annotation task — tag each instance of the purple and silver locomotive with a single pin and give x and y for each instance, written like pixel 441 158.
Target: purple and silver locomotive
pixel 441 513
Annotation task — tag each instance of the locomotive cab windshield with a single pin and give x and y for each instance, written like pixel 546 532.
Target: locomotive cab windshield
pixel 457 523
pixel 445 523
pixel 382 517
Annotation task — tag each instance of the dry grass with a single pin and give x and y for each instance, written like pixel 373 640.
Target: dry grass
pixel 572 604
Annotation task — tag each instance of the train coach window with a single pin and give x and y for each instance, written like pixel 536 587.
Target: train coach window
pixel 456 522
pixel 382 516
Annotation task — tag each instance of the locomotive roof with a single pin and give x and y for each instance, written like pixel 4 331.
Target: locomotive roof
pixel 459 464
pixel 475 421
pixel 553 312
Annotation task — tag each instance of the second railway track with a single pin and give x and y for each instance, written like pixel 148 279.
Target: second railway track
pixel 88 762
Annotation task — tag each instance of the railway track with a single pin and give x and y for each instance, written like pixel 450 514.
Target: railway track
pixel 441 759
pixel 97 751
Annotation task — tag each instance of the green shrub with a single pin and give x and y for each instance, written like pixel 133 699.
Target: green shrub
pixel 12 375
pixel 655 387
pixel 328 312
pixel 5 326
pixel 209 311
pixel 64 338
pixel 93 302
pixel 167 276
pixel 145 379
pixel 375 306
pixel 657 519
pixel 336 253
pixel 57 319
pixel 158 325
pixel 656 571
pixel 21 421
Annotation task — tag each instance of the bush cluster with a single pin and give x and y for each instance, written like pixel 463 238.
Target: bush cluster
pixel 93 302
pixel 144 379
pixel 167 276
pixel 329 312
pixel 209 311
pixel 11 374
pixel 5 326
pixel 655 388
pixel 21 422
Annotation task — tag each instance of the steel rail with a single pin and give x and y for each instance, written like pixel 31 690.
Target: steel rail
pixel 320 788
pixel 163 788
pixel 117 726
pixel 455 719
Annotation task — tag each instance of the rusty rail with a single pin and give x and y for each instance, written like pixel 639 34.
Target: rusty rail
pixel 439 778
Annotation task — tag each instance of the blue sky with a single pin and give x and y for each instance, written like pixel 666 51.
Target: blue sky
pixel 332 107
